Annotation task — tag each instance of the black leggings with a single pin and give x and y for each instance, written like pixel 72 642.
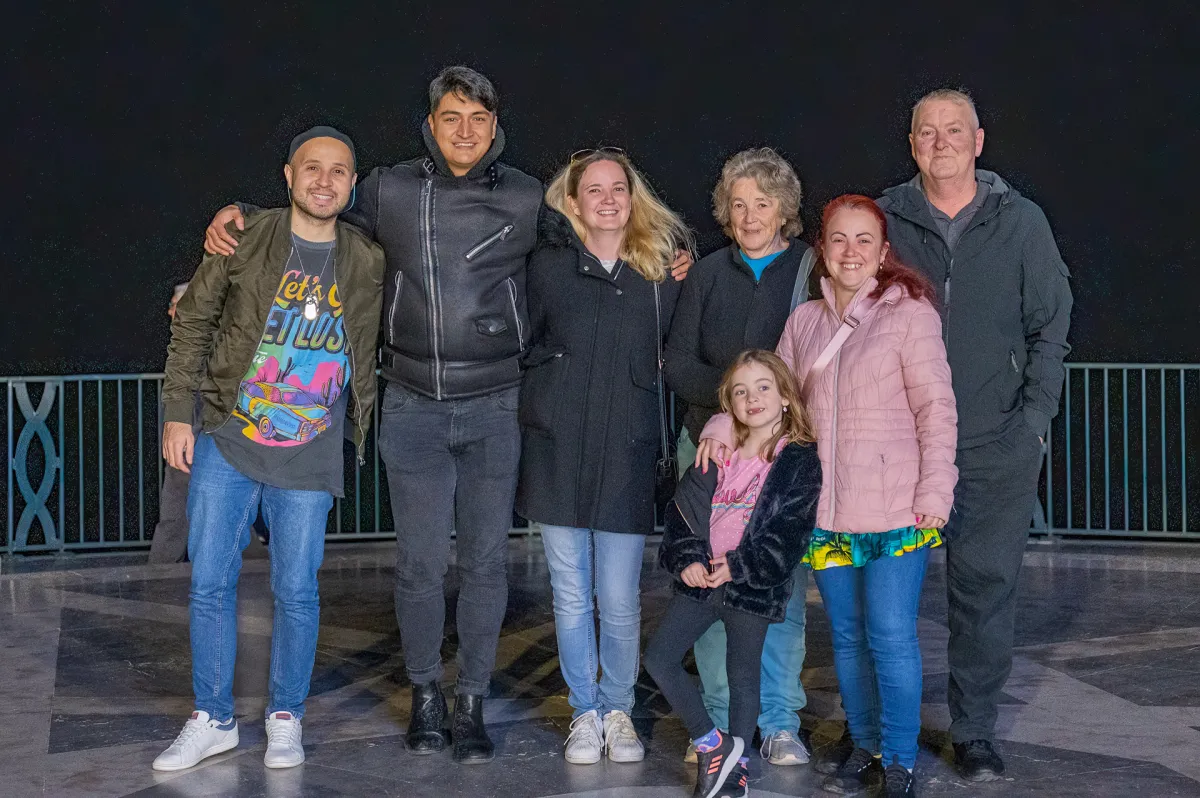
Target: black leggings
pixel 684 622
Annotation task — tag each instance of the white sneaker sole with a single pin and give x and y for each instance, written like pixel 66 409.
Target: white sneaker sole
pixel 636 756
pixel 219 748
pixel 576 759
pixel 280 765
pixel 787 761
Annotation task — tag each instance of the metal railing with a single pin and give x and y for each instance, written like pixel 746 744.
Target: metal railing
pixel 83 470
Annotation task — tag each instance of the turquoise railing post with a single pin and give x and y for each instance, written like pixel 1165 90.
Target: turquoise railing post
pixel 1067 426
pixel 1183 447
pixel 1145 471
pixel 1107 490
pixel 1087 448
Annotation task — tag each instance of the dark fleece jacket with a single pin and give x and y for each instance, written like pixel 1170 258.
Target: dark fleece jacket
pixel 774 541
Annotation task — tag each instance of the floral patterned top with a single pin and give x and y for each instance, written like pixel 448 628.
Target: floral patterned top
pixel 832 549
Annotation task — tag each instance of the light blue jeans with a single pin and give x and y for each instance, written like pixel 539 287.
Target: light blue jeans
pixel 781 694
pixel 222 504
pixel 589 568
pixel 873 613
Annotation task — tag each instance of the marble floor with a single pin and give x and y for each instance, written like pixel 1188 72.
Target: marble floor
pixel 1104 698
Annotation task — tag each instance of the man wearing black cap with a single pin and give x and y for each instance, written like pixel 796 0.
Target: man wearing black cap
pixel 279 339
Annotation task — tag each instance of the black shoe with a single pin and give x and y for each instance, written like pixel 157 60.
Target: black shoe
pixel 715 766
pixel 832 758
pixel 736 785
pixel 855 775
pixel 898 781
pixel 472 746
pixel 976 760
pixel 426 727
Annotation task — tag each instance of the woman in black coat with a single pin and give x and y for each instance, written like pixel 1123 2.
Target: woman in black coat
pixel 600 303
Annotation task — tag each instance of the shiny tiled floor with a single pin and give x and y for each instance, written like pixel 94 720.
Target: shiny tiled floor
pixel 1104 698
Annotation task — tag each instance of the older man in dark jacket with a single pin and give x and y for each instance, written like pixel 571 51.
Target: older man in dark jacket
pixel 1006 309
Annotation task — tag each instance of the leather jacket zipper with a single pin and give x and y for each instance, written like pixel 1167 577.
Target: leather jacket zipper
pixel 494 238
pixel 512 296
pixel 395 305
pixel 434 297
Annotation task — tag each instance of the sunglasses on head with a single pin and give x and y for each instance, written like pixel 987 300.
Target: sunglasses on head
pixel 578 154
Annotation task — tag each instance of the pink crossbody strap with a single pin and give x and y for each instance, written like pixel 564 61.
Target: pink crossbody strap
pixel 848 325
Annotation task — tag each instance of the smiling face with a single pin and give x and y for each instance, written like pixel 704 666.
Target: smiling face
pixel 602 201
pixel 463 130
pixel 755 398
pixel 755 217
pixel 853 249
pixel 320 177
pixel 945 140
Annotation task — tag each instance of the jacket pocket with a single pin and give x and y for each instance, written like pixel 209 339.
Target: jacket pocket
pixel 489 242
pixel 394 307
pixel 643 402
pixel 512 299
pixel 541 392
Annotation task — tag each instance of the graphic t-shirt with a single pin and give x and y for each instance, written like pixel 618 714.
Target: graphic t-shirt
pixel 738 487
pixel 287 426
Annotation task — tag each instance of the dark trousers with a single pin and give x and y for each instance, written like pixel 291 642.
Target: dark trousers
pixel 452 468
pixel 170 541
pixel 986 537
pixel 684 622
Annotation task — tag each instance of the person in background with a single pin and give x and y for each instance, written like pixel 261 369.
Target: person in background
pixel 1005 325
pixel 169 542
pixel 600 303
pixel 739 297
pixel 729 542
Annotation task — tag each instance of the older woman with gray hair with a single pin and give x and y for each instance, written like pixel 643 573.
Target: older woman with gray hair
pixel 738 298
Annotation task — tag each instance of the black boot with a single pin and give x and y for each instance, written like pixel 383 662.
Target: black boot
pixel 426 728
pixel 472 746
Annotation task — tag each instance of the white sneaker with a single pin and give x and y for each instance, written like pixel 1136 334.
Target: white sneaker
pixel 584 744
pixel 621 739
pixel 283 741
pixel 201 738
pixel 784 748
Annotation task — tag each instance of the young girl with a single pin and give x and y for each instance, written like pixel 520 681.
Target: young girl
pixel 732 540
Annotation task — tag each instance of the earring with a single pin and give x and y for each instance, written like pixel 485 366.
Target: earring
pixel 785 408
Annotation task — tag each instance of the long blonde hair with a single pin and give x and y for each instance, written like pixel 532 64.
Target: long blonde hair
pixel 654 232
pixel 795 427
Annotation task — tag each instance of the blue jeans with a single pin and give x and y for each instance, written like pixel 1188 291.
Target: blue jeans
pixel 607 565
pixel 873 614
pixel 781 694
pixel 222 504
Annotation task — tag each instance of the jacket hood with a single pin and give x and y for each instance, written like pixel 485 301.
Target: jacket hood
pixel 908 199
pixel 555 230
pixel 485 163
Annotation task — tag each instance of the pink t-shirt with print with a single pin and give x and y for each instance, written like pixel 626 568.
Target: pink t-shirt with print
pixel 738 487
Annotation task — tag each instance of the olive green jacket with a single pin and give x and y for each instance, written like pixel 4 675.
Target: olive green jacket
pixel 220 321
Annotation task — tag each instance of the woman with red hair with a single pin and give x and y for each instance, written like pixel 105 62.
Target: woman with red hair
pixel 872 365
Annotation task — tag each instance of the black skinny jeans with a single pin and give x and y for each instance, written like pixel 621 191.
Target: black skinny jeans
pixel 684 622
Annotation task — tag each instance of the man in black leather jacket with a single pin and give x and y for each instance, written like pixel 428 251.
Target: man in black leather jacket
pixel 457 227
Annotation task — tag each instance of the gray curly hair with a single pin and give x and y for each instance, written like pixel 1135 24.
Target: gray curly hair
pixel 774 176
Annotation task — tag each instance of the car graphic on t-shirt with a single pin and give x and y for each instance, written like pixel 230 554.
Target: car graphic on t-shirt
pixel 280 410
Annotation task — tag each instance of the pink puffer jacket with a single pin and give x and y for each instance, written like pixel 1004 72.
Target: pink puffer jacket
pixel 883 411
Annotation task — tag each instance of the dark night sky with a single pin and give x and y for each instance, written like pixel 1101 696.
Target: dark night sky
pixel 131 123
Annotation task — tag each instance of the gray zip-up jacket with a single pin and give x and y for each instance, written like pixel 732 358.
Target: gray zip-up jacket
pixel 1005 304
pixel 454 316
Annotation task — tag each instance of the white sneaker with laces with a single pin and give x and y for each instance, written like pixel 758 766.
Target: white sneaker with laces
pixel 201 738
pixel 584 744
pixel 784 748
pixel 283 741
pixel 621 739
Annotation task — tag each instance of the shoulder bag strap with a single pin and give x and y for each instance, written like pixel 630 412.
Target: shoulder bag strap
pixel 662 399
pixel 800 291
pixel 848 325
